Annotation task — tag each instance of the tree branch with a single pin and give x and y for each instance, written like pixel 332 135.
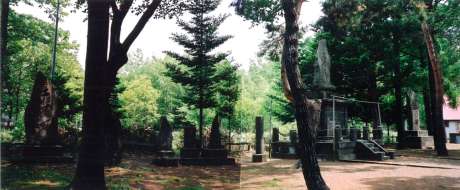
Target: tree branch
pixel 140 24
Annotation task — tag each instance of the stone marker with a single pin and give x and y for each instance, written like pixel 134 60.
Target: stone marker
pixel 190 148
pixel 215 141
pixel 165 144
pixel 322 76
pixel 43 143
pixel 259 156
pixel 414 137
pixel 276 135
pixel 165 155
pixel 40 118
pixel 215 150
pixel 414 119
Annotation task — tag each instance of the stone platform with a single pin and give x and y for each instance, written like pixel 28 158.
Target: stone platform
pixel 417 139
pixel 259 158
pixel 40 154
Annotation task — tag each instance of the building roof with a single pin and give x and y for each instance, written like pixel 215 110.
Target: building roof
pixel 450 113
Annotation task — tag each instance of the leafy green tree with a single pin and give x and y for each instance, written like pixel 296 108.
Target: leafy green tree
pixel 197 69
pixel 29 51
pixel 138 103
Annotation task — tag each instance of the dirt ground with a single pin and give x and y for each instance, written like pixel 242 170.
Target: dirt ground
pixel 418 170
pixel 413 169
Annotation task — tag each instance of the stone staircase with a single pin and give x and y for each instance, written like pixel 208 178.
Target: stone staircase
pixel 370 150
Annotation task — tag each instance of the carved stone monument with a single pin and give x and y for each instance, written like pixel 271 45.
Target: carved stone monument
pixel 259 156
pixel 215 151
pixel 414 137
pixel 40 115
pixel 190 148
pixel 165 155
pixel 43 143
pixel 322 75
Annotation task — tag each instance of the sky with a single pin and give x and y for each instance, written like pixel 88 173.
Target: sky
pixel 155 38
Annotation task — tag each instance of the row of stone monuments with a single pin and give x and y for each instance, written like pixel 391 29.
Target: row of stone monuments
pixel 191 153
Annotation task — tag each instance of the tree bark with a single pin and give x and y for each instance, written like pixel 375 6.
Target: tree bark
pixel 201 123
pixel 437 93
pixel 428 112
pixel 397 86
pixel 90 166
pixel 3 41
pixel 306 111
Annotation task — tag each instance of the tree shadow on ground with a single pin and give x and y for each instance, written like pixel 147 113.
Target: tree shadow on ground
pixel 188 177
pixel 407 183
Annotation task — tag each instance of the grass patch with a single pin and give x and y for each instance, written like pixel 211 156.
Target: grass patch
pixel 272 183
pixel 29 177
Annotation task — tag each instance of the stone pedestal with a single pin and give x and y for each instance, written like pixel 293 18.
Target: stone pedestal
pixel 414 137
pixel 259 156
pixel 418 139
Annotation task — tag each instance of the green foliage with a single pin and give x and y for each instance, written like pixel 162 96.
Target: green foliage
pixel 29 52
pixel 169 101
pixel 138 103
pixel 227 88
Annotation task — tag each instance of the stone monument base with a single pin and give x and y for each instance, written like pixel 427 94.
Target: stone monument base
pixel 207 161
pixel 214 153
pixel 190 153
pixel 166 161
pixel 417 139
pixel 41 154
pixel 165 158
pixel 259 158
pixel 165 153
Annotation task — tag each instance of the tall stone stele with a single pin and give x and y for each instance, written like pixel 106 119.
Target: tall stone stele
pixel 165 156
pixel 43 143
pixel 259 155
pixel 40 117
pixel 190 148
pixel 414 137
pixel 215 150
pixel 322 67
pixel 165 138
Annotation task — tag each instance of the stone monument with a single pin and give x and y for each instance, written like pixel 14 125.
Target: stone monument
pixel 165 155
pixel 191 146
pixel 215 153
pixel 322 66
pixel 259 156
pixel 40 115
pixel 414 137
pixel 276 135
pixel 43 143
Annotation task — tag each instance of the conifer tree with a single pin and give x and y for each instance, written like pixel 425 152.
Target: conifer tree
pixel 196 69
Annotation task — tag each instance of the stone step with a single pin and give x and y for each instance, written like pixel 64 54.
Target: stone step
pixel 347 156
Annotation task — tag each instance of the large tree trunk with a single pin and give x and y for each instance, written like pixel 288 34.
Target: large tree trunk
pixel 90 166
pixel 3 41
pixel 306 111
pixel 437 93
pixel 428 111
pixel 201 123
pixel 397 86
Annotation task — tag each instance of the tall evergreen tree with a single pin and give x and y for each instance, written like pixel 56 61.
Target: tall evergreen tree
pixel 197 69
pixel 227 91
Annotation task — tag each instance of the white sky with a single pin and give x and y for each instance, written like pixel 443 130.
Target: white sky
pixel 155 38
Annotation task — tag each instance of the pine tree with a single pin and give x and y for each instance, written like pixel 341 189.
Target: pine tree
pixel 197 68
